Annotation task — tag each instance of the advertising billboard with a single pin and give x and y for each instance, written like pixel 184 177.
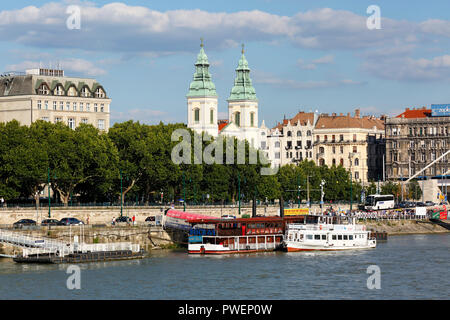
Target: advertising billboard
pixel 440 110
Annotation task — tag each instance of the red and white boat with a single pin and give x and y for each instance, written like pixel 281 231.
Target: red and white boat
pixel 327 237
pixel 243 235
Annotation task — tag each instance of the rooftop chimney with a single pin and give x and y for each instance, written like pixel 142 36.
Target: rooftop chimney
pixel 357 113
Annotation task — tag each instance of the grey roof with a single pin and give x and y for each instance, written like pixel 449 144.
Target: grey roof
pixel 15 85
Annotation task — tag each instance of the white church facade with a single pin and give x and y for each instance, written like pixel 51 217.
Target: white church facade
pixel 243 120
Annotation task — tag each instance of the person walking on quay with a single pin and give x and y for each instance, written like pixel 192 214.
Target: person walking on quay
pixel 113 221
pixel 2 202
pixel 134 219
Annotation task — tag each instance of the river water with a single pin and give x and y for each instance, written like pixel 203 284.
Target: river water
pixel 411 267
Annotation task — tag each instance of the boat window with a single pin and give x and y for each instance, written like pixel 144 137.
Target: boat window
pixel 334 237
pixel 317 237
pixel 339 236
pixel 324 237
pixel 350 237
pixel 345 237
pixel 309 236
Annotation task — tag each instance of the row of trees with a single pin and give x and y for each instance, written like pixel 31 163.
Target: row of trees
pixel 134 161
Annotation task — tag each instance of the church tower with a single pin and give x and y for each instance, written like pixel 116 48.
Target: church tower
pixel 202 98
pixel 243 104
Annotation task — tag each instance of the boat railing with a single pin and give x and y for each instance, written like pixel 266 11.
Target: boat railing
pixel 320 227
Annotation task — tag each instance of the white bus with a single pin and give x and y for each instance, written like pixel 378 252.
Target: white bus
pixel 379 202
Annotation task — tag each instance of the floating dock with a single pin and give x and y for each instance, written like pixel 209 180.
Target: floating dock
pixel 79 257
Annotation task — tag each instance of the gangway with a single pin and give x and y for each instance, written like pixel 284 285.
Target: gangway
pixel 39 246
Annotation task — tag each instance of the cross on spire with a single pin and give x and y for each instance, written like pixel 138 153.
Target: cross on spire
pixel 201 44
pixel 243 48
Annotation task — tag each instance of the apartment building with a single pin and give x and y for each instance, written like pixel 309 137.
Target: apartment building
pixel 47 94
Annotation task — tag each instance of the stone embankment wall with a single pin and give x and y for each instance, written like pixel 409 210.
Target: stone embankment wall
pixel 104 215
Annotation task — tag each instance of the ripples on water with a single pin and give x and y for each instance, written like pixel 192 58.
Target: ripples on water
pixel 412 267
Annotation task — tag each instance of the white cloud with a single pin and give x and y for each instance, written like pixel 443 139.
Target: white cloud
pixel 313 64
pixel 267 78
pixel 69 64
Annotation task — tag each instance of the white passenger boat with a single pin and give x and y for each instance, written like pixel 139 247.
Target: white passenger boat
pixel 327 237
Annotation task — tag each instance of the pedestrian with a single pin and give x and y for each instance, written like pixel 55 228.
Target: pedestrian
pixel 113 221
pixel 2 202
pixel 134 219
pixel 87 219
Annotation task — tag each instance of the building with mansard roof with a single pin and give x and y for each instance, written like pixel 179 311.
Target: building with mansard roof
pixel 47 94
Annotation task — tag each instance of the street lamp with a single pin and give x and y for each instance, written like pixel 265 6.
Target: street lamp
pixel 350 156
pixel 121 193
pixel 321 195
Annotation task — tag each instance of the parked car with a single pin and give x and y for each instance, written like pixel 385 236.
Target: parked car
pixel 429 203
pixel 24 222
pixel 420 204
pixel 70 221
pixel 228 216
pixel 123 219
pixel 50 222
pixel 149 219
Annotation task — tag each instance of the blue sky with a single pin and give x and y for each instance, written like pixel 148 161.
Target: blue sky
pixel 304 55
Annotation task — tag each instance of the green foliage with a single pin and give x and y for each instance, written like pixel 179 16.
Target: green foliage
pixel 89 164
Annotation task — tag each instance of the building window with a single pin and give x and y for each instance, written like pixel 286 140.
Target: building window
pixel 333 162
pixel 299 133
pixel 354 138
pixel 46 105
pixel 196 115
pixel 237 118
pixel 39 104
pixel 81 106
pixel 308 133
pixel 211 116
pixel 84 120
pixel 71 123
pixel 88 107
pixel 67 106
pixel 252 119
pixel 341 149
pixel 341 162
pixel 101 124
pixel 55 104
pixel 58 119
pixel 355 149
pixel 334 150
pixel 85 92
pixel 59 91
pixel 45 119
pixel 341 137
pixel 263 145
pixel 74 106
pixel 102 108
pixel 61 106
pixel 72 92
pixel 277 155
pixel 43 89
pixel 356 175
pixel 277 144
pixel 99 93
pixel 356 162
pixel 95 107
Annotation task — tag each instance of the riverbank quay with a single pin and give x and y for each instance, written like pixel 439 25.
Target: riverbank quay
pixel 404 227
pixel 99 215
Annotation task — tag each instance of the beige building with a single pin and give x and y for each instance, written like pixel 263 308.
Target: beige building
pixel 356 143
pixel 46 94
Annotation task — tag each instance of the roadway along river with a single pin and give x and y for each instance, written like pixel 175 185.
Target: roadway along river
pixel 411 266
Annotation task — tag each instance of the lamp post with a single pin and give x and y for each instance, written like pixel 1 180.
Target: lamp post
pixel 350 156
pixel 321 195
pixel 49 201
pixel 239 192
pixel 184 192
pixel 121 193
pixel 298 190
pixel 307 190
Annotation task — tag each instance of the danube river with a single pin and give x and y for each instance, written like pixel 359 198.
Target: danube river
pixel 411 267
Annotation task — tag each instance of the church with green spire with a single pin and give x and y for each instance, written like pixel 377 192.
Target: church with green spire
pixel 242 121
